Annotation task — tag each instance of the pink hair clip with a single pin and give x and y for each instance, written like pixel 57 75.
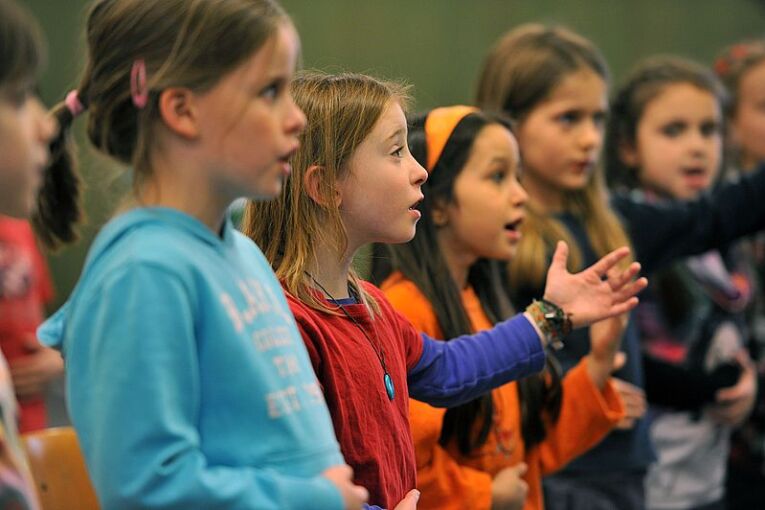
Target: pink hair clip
pixel 739 51
pixel 73 103
pixel 138 90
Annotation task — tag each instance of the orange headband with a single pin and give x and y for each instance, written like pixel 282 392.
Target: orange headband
pixel 439 126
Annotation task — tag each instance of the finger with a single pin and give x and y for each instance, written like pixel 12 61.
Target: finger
pixel 410 500
pixel 625 424
pixel 361 493
pixel 620 359
pixel 730 394
pixel 560 257
pixel 617 279
pixel 630 289
pixel 520 468
pixel 602 266
pixel 623 307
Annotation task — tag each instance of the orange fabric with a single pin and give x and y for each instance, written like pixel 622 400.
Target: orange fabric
pixel 449 480
pixel 438 128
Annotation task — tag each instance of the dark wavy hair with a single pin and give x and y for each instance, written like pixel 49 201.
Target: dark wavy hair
pixel 421 261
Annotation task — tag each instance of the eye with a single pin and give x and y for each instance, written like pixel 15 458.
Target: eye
pixel 398 152
pixel 673 129
pixel 498 176
pixel 599 119
pixel 18 96
pixel 272 90
pixel 711 128
pixel 568 118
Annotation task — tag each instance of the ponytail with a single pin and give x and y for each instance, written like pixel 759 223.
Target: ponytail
pixel 58 206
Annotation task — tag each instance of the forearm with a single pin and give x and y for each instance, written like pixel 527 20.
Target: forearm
pixel 453 372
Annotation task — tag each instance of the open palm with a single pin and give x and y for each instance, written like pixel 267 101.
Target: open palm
pixel 598 292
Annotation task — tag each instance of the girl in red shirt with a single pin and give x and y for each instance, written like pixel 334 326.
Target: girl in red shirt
pixel 354 182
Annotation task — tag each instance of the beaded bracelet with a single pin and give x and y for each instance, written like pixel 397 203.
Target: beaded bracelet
pixel 551 320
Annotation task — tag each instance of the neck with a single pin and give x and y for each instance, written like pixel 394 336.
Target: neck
pixel 331 272
pixel 547 199
pixel 457 260
pixel 175 182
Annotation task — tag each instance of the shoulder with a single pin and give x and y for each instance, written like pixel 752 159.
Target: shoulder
pixel 404 295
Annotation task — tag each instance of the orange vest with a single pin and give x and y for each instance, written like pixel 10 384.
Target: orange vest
pixel 449 480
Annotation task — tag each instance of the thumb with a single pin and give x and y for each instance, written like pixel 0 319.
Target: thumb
pixel 410 500
pixel 560 257
pixel 521 468
pixel 620 359
pixel 360 492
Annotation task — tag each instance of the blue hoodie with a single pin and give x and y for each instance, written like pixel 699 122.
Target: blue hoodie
pixel 187 380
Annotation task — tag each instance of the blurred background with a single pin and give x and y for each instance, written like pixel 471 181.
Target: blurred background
pixel 436 45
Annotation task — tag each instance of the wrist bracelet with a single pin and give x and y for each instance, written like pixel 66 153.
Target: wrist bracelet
pixel 551 320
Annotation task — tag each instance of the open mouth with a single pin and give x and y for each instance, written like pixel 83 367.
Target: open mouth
pixel 415 205
pixel 514 226
pixel 694 172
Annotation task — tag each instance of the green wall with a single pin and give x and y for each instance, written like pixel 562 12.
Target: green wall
pixel 436 45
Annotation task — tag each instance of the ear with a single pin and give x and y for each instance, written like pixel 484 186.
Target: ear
pixel 439 213
pixel 628 154
pixel 176 108
pixel 312 186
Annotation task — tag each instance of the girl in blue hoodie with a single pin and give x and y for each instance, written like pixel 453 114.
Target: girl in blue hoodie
pixel 188 383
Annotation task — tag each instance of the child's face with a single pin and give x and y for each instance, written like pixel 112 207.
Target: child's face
pixel 561 138
pixel 250 123
pixel 483 219
pixel 25 131
pixel 678 142
pixel 379 194
pixel 748 124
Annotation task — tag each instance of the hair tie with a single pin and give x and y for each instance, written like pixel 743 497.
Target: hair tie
pixel 73 103
pixel 439 125
pixel 138 90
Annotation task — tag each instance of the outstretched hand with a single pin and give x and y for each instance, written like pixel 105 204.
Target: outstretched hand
pixel 600 291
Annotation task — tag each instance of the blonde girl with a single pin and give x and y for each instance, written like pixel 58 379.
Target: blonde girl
pixel 186 378
pixel 490 452
pixel 355 182
pixel 554 83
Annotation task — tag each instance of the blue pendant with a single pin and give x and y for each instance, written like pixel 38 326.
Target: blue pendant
pixel 389 389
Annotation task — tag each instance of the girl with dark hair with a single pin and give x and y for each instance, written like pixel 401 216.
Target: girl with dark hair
pixel 25 131
pixel 492 451
pixel 666 142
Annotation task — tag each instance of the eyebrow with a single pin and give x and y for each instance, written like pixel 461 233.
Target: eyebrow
pixel 397 133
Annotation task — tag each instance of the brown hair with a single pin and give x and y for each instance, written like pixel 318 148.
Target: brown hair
pixel 734 62
pixel 184 43
pixel 643 84
pixel 21 50
pixel 341 111
pixel 520 72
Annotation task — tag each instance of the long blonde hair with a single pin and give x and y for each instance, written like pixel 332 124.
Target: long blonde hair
pixel 341 111
pixel 520 72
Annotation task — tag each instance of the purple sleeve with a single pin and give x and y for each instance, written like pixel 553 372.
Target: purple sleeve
pixel 454 372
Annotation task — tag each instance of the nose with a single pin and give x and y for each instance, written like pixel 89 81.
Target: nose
pixel 296 119
pixel 518 195
pixel 418 174
pixel 591 135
